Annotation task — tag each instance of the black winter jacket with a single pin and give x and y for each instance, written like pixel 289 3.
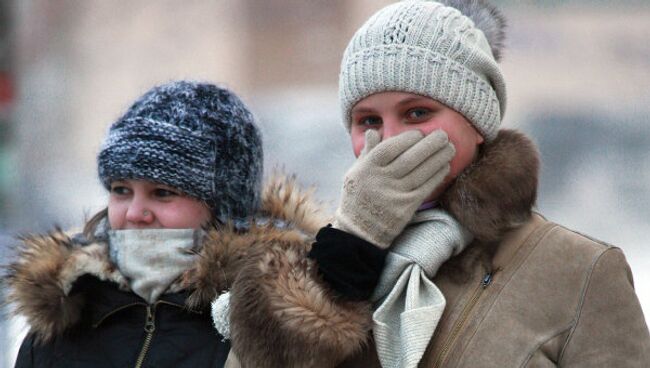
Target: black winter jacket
pixel 119 329
pixel 79 306
pixel 82 313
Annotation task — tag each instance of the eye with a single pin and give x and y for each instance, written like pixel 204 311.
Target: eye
pixel 418 114
pixel 165 193
pixel 370 121
pixel 119 189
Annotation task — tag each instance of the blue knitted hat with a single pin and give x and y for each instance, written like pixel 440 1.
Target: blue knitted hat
pixel 195 137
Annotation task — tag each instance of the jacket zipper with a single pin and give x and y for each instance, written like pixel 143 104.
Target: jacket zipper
pixel 96 324
pixel 464 316
pixel 149 328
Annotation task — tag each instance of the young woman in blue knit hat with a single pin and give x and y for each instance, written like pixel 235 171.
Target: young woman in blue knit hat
pixel 435 257
pixel 182 168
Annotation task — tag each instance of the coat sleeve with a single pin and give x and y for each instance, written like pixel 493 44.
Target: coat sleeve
pixel 283 315
pixel 610 329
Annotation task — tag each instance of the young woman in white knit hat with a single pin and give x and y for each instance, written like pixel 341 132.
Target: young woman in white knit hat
pixel 435 257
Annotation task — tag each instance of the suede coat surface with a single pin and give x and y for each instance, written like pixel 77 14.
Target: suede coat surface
pixel 526 293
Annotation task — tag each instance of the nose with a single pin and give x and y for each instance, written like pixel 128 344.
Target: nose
pixel 391 126
pixel 138 211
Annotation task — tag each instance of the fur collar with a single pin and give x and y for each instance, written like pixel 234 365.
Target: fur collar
pixel 279 296
pixel 493 196
pixel 48 266
pixel 498 191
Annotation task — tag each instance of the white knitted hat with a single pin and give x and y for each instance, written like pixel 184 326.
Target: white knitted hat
pixel 434 50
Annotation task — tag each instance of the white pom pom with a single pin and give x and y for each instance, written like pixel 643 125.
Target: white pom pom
pixel 221 314
pixel 487 18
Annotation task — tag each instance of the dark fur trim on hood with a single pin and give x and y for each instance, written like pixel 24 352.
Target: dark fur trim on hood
pixel 494 195
pixel 47 267
pixel 287 211
pixel 40 280
pixel 279 297
pixel 278 294
pixel 498 191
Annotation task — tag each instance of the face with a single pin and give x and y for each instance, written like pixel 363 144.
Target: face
pixel 141 204
pixel 392 113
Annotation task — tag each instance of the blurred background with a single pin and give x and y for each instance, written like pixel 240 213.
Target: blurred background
pixel 578 75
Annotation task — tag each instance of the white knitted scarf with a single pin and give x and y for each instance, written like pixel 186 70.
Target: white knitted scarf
pixel 152 259
pixel 408 305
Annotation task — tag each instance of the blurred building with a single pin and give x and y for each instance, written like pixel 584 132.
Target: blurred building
pixel 578 75
pixel 6 103
pixel 79 64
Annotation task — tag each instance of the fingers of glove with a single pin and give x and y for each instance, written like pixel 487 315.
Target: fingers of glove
pixel 430 185
pixel 391 148
pixel 429 168
pixel 428 146
pixel 372 139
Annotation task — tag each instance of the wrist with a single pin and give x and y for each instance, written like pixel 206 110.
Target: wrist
pixel 350 265
pixel 372 232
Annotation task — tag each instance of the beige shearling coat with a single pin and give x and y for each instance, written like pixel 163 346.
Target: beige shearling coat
pixel 553 298
pixel 526 293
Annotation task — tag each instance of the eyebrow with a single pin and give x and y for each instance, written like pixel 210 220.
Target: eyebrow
pixel 413 99
pixel 361 110
pixel 407 100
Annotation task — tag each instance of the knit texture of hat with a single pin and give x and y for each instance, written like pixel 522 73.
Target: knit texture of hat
pixel 195 137
pixel 434 50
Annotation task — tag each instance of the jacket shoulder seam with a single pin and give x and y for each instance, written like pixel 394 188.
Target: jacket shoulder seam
pixel 600 243
pixel 583 294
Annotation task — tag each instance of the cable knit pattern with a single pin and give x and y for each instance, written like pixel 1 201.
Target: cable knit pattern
pixel 430 49
pixel 409 303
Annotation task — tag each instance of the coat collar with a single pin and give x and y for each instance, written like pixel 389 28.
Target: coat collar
pixel 104 298
pixel 493 196
pixel 44 280
pixel 498 191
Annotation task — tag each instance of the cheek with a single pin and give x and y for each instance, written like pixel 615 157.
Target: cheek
pixel 464 138
pixel 460 162
pixel 186 214
pixel 429 127
pixel 358 136
pixel 116 214
pixel 358 141
pixel 466 150
pixel 199 216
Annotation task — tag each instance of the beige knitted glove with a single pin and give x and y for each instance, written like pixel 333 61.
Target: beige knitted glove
pixel 389 181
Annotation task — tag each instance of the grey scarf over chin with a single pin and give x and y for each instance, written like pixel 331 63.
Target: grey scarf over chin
pixel 152 259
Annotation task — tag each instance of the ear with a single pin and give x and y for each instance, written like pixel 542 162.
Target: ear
pixel 479 139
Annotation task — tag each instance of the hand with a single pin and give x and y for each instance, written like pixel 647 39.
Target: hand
pixel 389 181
